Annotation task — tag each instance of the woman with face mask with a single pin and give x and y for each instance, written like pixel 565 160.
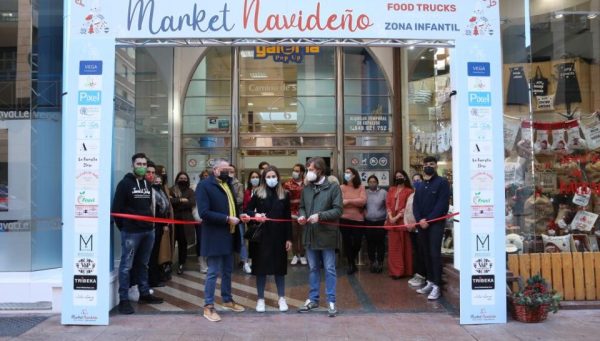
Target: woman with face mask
pixel 354 199
pixel 294 186
pixel 375 214
pixel 399 244
pixel 162 253
pixel 183 200
pixel 269 253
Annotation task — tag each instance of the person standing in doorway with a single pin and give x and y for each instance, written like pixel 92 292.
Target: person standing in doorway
pixel 375 214
pixel 240 242
pixel 294 187
pixel 431 201
pixel 183 201
pixel 269 251
pixel 134 196
pixel 320 209
pixel 354 199
pixel 399 247
pixel 262 166
pixel 216 206
pixel 201 260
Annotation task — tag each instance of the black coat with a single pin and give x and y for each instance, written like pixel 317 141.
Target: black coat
pixel 269 256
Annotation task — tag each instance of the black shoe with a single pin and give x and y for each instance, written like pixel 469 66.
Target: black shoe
pixel 125 307
pixel 379 268
pixel 180 270
pixel 150 299
pixel 157 284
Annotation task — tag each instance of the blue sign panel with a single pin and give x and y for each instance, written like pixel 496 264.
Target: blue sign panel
pixel 478 69
pixel 480 99
pixel 90 67
pixel 89 98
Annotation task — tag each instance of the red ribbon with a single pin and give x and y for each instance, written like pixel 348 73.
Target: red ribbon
pixel 185 222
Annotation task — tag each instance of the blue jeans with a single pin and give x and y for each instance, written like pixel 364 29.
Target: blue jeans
pixel 218 264
pixel 138 247
pixel 243 248
pixel 327 257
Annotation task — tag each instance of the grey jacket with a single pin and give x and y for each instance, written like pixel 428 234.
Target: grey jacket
pixel 326 200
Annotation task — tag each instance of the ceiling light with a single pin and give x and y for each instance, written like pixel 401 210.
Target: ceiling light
pixel 592 15
pixel 558 15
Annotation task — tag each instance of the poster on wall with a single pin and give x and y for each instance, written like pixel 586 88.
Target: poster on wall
pixel 370 163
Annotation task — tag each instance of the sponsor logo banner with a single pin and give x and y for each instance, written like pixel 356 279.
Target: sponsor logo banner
pixel 479 84
pixel 483 282
pixel 85 298
pixel 483 266
pixel 82 282
pixel 86 211
pixel 480 99
pixel 90 67
pixel 478 69
pixel 87 179
pixel 88 113
pixel 90 82
pixel 482 211
pixel 85 266
pixel 89 97
pixel 87 163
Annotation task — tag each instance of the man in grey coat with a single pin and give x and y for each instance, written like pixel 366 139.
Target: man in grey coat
pixel 320 208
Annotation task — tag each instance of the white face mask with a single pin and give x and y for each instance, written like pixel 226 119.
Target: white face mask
pixel 271 182
pixel 311 176
pixel 254 181
pixel 295 175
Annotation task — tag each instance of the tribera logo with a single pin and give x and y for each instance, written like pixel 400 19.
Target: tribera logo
pixel 85 282
pixel 85 266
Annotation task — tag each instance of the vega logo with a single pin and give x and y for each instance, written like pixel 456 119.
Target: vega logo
pixel 480 99
pixel 90 67
pixel 89 97
pixel 478 69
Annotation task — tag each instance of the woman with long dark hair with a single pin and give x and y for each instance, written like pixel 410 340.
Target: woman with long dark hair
pixel 399 244
pixel 269 252
pixel 354 199
pixel 375 214
pixel 183 200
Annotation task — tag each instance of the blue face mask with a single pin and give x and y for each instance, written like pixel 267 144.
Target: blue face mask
pixel 272 182
pixel 254 181
pixel 347 176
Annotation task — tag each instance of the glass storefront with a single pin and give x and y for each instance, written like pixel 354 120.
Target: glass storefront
pixel 551 52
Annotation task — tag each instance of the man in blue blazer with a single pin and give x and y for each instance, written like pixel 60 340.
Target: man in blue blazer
pixel 216 206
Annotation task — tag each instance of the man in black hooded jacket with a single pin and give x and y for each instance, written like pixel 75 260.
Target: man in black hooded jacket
pixel 134 196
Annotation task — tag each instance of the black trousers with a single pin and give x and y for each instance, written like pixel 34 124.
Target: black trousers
pixel 155 273
pixel 418 260
pixel 376 241
pixel 182 244
pixel 351 239
pixel 430 250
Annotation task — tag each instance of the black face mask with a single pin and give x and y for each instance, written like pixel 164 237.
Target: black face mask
pixel 399 181
pixel 183 184
pixel 429 170
pixel 224 176
pixel 164 178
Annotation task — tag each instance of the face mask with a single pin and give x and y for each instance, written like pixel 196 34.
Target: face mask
pixel 164 178
pixel 139 171
pixel 183 184
pixel 272 182
pixel 254 182
pixel 399 181
pixel 429 170
pixel 311 176
pixel 295 175
pixel 373 187
pixel 224 176
pixel 347 176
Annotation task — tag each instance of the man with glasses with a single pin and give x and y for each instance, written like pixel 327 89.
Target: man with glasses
pixel 217 207
pixel 431 201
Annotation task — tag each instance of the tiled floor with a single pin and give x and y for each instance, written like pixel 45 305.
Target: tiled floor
pixel 363 292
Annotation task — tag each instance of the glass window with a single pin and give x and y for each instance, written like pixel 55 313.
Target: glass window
pixel 551 119
pixel 207 104
pixel 367 96
pixel 427 107
pixel 287 89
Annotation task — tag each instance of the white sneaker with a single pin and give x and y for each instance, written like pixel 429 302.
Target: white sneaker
pixel 247 268
pixel 435 293
pixel 282 304
pixel 260 305
pixel 303 260
pixel 416 281
pixel 294 260
pixel 426 289
pixel 133 293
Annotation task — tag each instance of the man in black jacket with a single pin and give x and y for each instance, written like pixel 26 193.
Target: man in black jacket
pixel 134 196
pixel 431 201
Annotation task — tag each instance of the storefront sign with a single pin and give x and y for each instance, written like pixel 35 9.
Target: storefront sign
pixel 369 123
pixel 92 28
pixel 285 54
